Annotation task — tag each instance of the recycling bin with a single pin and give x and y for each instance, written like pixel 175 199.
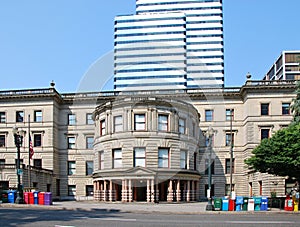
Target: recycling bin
pixel 264 203
pixel 245 204
pixel 12 195
pixel 41 198
pixel 48 198
pixel 36 197
pixel 296 205
pixel 250 204
pixel 26 198
pixel 4 196
pixel 289 204
pixel 238 203
pixel 225 204
pixel 231 205
pixel 30 198
pixel 218 203
pixel 257 203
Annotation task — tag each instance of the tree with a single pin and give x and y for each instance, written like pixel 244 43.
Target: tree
pixel 295 107
pixel 280 154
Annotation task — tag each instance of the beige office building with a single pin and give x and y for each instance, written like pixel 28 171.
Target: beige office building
pixel 142 146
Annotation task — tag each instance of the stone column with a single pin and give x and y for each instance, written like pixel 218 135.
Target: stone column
pixel 110 191
pixel 178 191
pixel 122 192
pixel 188 191
pixel 170 191
pixel 105 191
pixel 152 190
pixel 157 191
pixel 130 191
pixel 148 191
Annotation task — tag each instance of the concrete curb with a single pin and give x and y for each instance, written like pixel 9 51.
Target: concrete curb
pixel 188 209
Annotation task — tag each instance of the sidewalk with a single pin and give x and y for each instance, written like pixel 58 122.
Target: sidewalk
pixel 136 207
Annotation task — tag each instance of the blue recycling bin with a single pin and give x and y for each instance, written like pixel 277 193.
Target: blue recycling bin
pixel 239 200
pixel 264 203
pixel 36 197
pixel 11 197
pixel 225 204
pixel 257 203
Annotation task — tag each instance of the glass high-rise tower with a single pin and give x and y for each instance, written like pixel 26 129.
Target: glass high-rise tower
pixel 169 44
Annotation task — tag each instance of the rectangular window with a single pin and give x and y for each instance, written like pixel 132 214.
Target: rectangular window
pixel 139 157
pixel 118 123
pixel 183 159
pixel 37 140
pixel 139 122
pixel 101 160
pixel 227 165
pixel 71 119
pixel 229 136
pixel 163 158
pixel 89 190
pixel 71 167
pixel 71 190
pixel 37 163
pixel 2 141
pixel 229 114
pixel 89 142
pixel 181 126
pixel 264 133
pixel 38 116
pixel 2 117
pixel 212 166
pixel 102 127
pixel 117 158
pixel 163 122
pixel 264 109
pixel 89 167
pixel 2 162
pixel 209 115
pixel 285 108
pixel 71 142
pixel 19 116
pixel 89 119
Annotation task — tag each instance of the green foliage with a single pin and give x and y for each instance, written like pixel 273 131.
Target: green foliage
pixel 280 154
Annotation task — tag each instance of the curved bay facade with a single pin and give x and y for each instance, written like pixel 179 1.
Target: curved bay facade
pixel 146 150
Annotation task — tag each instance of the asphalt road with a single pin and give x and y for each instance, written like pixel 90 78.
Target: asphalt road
pixel 27 217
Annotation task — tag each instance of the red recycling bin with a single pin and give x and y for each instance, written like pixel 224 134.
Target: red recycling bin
pixel 30 198
pixel 231 204
pixel 289 204
pixel 26 198
pixel 41 198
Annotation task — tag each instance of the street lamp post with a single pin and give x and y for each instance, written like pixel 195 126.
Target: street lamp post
pixel 18 136
pixel 209 134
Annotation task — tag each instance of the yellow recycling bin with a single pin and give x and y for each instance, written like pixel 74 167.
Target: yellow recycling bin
pixel 296 204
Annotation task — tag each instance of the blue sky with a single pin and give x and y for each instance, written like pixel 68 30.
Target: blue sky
pixel 60 40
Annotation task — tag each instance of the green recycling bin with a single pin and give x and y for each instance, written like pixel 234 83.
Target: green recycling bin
pixel 245 204
pixel 218 203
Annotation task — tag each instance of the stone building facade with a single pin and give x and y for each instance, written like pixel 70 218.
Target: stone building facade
pixel 65 129
pixel 146 150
